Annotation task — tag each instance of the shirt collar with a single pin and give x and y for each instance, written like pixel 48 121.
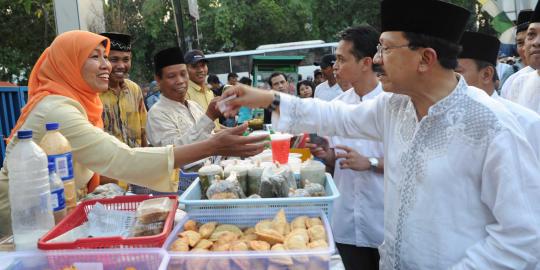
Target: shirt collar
pixel 196 87
pixel 170 102
pixel 373 93
pixel 451 100
pixel 124 88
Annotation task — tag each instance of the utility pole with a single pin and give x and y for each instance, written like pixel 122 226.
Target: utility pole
pixel 179 23
pixel 194 14
pixel 196 42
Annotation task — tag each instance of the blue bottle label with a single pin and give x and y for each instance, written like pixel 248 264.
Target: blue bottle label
pixel 63 164
pixel 58 199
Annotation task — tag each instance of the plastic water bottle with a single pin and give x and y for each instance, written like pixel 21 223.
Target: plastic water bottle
pixel 58 152
pixel 58 198
pixel 29 192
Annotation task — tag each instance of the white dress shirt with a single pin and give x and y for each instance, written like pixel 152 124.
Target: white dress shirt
pixel 505 89
pixel 525 91
pixel 326 92
pixel 171 122
pixel 527 119
pixel 358 213
pixel 461 184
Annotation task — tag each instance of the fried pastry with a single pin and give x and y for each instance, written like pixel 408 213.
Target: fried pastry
pixel 207 229
pixel 192 236
pixel 317 232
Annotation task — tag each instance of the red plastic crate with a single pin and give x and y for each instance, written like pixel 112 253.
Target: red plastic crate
pixel 123 203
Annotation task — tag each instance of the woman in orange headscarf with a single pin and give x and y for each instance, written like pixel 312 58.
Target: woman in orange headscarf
pixel 63 88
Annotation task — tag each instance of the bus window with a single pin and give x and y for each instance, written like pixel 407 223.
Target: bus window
pixel 315 55
pixel 310 54
pixel 241 63
pixel 219 65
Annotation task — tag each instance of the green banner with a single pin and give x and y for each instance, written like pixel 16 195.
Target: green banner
pixel 501 23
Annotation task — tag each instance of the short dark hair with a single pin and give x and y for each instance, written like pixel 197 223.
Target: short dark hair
pixel 232 75
pixel 245 80
pixel 447 51
pixel 308 83
pixel 213 78
pixel 275 74
pixel 364 40
pixel 481 64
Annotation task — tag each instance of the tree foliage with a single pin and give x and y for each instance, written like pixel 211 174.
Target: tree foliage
pixel 224 25
pixel 27 29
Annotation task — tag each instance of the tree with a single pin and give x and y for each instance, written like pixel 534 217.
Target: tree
pixel 150 24
pixel 19 50
pixel 225 25
pixel 241 25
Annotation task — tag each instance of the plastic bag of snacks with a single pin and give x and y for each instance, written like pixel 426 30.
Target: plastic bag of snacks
pixel 207 175
pixel 276 181
pixel 225 189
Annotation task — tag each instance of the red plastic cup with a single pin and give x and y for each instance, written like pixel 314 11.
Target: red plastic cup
pixel 281 144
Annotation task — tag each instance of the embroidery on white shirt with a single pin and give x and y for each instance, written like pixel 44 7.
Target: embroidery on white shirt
pixel 457 115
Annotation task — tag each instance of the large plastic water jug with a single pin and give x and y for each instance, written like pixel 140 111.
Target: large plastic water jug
pixel 29 192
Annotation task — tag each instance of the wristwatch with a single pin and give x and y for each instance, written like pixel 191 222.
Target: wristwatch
pixel 373 163
pixel 275 103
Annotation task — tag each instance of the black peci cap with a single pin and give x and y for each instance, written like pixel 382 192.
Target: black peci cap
pixel 480 47
pixel 524 16
pixel 429 17
pixel 168 57
pixel 535 18
pixel 119 41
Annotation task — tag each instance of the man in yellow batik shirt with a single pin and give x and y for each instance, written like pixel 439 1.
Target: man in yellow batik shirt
pixel 124 113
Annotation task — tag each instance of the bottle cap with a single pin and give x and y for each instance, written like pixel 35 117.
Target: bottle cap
pixel 52 168
pixel 24 134
pixel 52 126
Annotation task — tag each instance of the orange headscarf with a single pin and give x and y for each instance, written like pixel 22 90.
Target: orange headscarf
pixel 58 72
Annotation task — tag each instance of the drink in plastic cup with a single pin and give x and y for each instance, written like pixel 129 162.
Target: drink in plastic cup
pixel 281 143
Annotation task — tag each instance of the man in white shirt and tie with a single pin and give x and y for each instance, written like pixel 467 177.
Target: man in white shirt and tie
pixel 461 180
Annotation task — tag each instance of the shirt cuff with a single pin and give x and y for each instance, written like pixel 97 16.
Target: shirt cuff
pixel 174 173
pixel 206 124
pixel 283 120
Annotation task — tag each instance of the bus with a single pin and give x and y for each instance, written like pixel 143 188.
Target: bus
pixel 222 64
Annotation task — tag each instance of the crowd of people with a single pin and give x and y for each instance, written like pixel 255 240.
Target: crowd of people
pixel 432 142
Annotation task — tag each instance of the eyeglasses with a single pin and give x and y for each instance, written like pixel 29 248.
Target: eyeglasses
pixel 381 49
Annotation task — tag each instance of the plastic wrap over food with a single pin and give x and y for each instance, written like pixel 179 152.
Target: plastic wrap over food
pixel 154 210
pixel 140 229
pixel 241 168
pixel 104 192
pixel 313 170
pixel 103 222
pixel 299 193
pixel 314 189
pixel 207 175
pixel 276 181
pixel 254 177
pixel 225 189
